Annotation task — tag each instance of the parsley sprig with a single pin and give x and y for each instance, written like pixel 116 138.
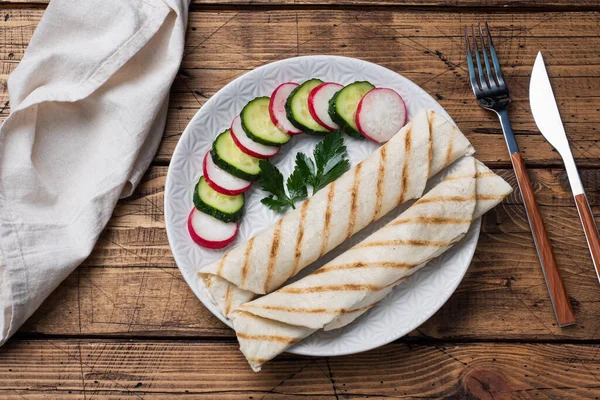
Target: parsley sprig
pixel 330 162
pixel 271 180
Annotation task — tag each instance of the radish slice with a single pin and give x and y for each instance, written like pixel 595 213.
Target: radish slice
pixel 277 108
pixel 222 181
pixel 247 145
pixel 318 104
pixel 380 114
pixel 209 232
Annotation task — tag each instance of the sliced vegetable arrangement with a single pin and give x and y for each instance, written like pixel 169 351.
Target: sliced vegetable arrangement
pixel 222 181
pixel 257 123
pixel 240 154
pixel 297 110
pixel 227 156
pixel 221 206
pixel 247 145
pixel 318 104
pixel 343 106
pixel 209 232
pixel 277 108
pixel 380 114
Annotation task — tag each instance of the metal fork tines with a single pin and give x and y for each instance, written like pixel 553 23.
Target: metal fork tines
pixel 489 87
pixel 492 94
pixel 490 83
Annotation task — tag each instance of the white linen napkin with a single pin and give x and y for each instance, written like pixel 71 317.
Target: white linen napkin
pixel 88 108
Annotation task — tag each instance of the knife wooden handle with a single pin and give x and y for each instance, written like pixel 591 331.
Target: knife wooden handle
pixel 589 228
pixel 558 294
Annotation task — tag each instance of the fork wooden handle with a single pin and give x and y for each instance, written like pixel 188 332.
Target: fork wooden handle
pixel 558 294
pixel 589 228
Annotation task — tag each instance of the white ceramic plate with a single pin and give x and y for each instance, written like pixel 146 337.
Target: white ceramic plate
pixel 411 303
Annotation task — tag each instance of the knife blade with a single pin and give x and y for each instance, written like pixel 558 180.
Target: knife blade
pixel 547 118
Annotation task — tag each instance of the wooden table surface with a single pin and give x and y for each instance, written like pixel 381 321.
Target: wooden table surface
pixel 125 324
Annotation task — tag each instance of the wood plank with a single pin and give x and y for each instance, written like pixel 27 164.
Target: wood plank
pixel 504 4
pixel 225 33
pixel 426 48
pixel 137 301
pixel 199 370
pixel 130 286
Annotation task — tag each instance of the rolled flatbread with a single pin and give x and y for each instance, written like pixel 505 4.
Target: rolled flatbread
pixel 395 173
pixel 352 283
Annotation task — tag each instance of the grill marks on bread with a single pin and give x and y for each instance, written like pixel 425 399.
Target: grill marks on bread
pixel 247 260
pixel 405 172
pixel 328 212
pixel 354 201
pixel 273 255
pixel 380 181
pixel 300 237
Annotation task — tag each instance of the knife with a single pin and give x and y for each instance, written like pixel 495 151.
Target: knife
pixel 547 118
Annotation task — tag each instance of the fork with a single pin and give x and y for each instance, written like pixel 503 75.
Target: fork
pixel 492 93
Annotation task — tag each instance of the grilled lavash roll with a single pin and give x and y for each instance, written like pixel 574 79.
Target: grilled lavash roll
pixel 352 283
pixel 395 173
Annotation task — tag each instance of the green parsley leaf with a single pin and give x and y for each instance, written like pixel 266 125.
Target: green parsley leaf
pixel 330 159
pixel 335 172
pixel 276 204
pixel 329 151
pixel 296 186
pixel 271 180
pixel 330 162
pixel 305 167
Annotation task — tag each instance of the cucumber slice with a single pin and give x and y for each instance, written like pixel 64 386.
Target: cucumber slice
pixel 257 123
pixel 343 105
pixel 297 110
pixel 227 156
pixel 220 206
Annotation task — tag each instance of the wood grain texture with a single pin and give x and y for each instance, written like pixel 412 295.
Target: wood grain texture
pixel 426 48
pixel 199 370
pixel 556 288
pixel 130 285
pixel 504 4
pixel 589 228
pixel 156 341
